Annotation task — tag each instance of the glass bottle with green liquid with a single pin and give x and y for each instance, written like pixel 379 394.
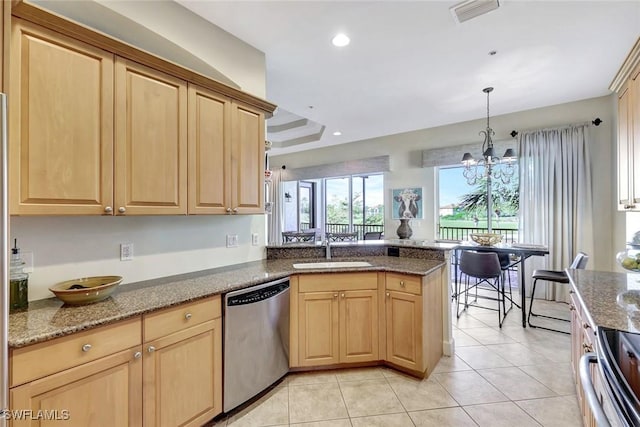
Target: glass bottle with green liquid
pixel 18 281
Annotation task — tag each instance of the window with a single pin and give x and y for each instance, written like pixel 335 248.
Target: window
pixel 347 204
pixel 463 207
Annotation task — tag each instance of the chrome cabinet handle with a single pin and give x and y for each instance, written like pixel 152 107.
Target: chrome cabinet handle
pixel 342 295
pixel 86 347
pixel 388 294
pixel 235 210
pixel 187 316
pixel 108 209
pixel 629 206
pixel 151 349
pixel 122 209
pixel 402 283
pixel 228 209
pixel 335 295
pixel 137 355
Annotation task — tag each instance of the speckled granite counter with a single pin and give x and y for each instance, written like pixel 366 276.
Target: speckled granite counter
pixel 47 319
pixel 598 291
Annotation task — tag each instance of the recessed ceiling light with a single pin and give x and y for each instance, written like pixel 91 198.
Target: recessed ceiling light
pixel 337 133
pixel 341 40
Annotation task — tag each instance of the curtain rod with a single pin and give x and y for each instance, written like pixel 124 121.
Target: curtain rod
pixel 595 122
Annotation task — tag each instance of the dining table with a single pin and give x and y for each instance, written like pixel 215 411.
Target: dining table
pixel 520 252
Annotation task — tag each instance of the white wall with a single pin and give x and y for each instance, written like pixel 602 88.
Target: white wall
pixel 405 151
pixel 65 248
pixel 70 247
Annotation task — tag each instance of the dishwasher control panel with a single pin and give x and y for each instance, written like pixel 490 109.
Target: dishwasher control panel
pixel 257 295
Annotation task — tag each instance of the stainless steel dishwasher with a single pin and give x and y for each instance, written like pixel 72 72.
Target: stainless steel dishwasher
pixel 256 340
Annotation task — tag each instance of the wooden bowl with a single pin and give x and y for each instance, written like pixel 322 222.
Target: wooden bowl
pixel 86 290
pixel 486 239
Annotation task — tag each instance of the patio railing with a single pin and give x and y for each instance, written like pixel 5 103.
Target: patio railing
pixel 509 235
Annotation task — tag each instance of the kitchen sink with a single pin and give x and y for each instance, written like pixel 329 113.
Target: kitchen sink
pixel 333 264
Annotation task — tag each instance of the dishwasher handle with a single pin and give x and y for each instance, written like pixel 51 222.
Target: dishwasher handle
pixel 589 391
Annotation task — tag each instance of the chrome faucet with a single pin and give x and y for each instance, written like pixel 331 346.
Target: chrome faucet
pixel 327 244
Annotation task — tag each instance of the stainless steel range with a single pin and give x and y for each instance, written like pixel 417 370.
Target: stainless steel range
pixel 256 340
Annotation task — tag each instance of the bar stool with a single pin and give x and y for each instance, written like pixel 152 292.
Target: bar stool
pixel 579 262
pixel 484 267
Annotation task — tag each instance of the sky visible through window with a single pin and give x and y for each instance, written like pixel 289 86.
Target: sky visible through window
pixel 452 186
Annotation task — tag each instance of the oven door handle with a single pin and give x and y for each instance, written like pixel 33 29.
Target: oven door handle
pixel 589 391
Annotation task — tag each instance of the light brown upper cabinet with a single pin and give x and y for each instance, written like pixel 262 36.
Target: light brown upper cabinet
pixel 98 127
pixel 150 141
pixel 61 124
pixel 226 155
pixel 627 85
pixel 247 159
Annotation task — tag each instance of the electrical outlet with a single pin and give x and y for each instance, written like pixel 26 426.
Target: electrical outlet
pixel 126 251
pixel 254 239
pixel 27 258
pixel 232 240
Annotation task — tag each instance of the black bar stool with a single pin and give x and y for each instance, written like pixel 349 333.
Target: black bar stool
pixel 579 262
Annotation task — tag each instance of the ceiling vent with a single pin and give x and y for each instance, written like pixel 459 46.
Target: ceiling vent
pixel 472 8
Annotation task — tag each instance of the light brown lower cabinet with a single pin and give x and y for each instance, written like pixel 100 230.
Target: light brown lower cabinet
pixel 582 341
pixel 365 317
pixel 337 318
pixel 107 377
pixel 414 321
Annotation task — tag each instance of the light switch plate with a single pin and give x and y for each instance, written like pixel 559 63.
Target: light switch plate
pixel 232 240
pixel 126 251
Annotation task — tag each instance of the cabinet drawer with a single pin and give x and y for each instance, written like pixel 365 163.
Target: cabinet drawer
pixel 166 322
pixel 39 360
pixel 404 283
pixel 337 282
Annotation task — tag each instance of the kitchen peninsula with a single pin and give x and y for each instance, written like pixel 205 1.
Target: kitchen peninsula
pixel 128 334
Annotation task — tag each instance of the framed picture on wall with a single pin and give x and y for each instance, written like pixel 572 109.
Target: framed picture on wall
pixel 407 203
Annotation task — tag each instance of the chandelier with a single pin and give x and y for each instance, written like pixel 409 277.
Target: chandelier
pixel 475 170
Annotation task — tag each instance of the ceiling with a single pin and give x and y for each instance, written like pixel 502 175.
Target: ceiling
pixel 411 66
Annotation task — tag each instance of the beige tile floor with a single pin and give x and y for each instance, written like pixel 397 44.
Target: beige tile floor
pixel 498 377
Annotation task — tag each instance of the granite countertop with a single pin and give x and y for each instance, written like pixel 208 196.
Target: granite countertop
pixel 48 319
pixel 425 244
pixel 598 292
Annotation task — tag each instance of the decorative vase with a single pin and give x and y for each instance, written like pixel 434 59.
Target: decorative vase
pixel 404 231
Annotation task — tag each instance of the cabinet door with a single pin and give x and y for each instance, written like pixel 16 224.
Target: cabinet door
pixel 151 141
pixel 61 112
pixel 247 160
pixel 209 157
pixel 625 149
pixel 318 323
pixel 106 392
pixel 358 326
pixel 634 134
pixel 183 377
pixel 404 330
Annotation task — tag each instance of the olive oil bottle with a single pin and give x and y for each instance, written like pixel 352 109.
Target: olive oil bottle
pixel 18 281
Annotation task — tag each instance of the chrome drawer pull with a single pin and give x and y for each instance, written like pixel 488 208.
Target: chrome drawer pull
pixel 187 316
pixel 86 347
pixel 151 349
pixel 137 355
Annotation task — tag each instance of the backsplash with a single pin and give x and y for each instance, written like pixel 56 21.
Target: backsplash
pixel 65 248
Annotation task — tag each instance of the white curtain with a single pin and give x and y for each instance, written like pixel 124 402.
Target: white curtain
pixel 275 218
pixel 556 198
